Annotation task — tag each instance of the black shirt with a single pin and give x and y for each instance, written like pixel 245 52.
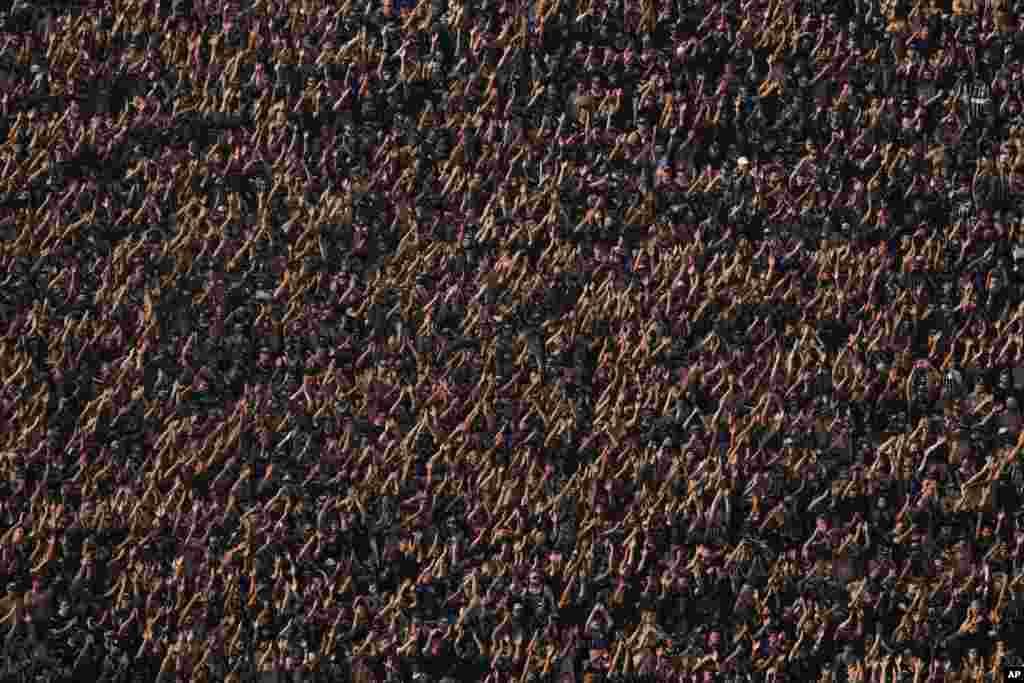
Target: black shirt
pixel 593 672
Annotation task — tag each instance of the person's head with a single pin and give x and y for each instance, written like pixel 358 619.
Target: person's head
pixel 715 639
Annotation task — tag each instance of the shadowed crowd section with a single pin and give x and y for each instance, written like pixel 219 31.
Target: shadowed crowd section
pixel 572 340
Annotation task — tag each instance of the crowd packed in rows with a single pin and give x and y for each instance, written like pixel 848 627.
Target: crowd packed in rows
pixel 507 341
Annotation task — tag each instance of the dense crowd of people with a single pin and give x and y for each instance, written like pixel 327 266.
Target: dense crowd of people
pixel 555 341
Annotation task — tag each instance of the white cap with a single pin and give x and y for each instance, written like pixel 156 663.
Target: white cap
pixel 743 161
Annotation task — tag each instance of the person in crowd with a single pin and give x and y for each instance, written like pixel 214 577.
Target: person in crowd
pixel 514 341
